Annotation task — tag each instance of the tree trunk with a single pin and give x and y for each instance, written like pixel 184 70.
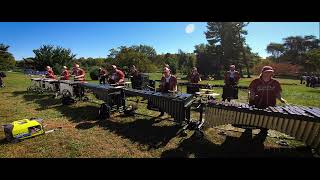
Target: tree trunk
pixel 248 72
pixel 241 74
pixel 245 61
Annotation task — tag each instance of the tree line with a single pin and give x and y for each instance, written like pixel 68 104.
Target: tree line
pixel 297 50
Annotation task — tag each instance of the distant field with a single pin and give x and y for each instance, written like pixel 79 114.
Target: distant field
pixel 144 135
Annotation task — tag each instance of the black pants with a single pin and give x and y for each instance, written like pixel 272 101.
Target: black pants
pixel 102 80
pixel 192 89
pixel 229 92
pixel 308 83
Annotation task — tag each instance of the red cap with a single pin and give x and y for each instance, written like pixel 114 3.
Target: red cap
pixel 267 69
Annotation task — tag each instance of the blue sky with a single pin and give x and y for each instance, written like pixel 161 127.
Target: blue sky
pixel 94 39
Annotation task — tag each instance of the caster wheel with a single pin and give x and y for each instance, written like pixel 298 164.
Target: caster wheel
pixel 183 134
pixel 67 101
pixel 198 134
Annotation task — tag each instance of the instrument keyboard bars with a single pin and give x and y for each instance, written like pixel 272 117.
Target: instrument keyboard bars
pixel 300 122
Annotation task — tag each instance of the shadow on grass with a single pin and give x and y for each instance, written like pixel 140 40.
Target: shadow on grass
pixel 243 146
pixel 143 131
pixel 4 141
pixel 75 113
pixel 30 96
pixel 79 114
pixel 17 93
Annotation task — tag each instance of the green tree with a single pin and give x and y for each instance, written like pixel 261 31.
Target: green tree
pixel 128 57
pixel 228 41
pixel 7 61
pixel 145 49
pixel 313 60
pixel 185 61
pixel 56 57
pixel 208 60
pixel 296 50
pixel 276 49
pixel 26 63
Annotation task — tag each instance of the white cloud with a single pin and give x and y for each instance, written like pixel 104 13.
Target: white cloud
pixel 190 28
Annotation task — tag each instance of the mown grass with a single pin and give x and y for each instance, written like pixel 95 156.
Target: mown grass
pixel 144 135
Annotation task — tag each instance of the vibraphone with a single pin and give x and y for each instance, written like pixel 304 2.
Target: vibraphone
pixel 41 85
pixel 70 90
pixel 101 91
pixel 36 85
pixel 176 104
pixel 112 96
pixel 50 85
pixel 300 122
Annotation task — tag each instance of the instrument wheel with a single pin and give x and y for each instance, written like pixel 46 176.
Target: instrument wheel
pixel 66 93
pixel 67 101
pixel 85 99
pixel 198 134
pixel 129 111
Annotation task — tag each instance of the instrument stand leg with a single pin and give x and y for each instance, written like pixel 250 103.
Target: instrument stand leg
pixel 262 135
pixel 247 134
pixel 104 111
pixel 162 113
pixel 194 125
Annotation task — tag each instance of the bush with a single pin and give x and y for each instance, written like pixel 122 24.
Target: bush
pixel 94 73
pixel 280 69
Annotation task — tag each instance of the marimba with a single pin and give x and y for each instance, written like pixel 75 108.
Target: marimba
pixel 300 122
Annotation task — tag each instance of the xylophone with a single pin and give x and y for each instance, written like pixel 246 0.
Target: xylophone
pixel 300 122
pixel 176 104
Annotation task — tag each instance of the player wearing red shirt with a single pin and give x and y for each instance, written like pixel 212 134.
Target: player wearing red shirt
pixel 264 91
pixel 117 76
pixel 65 75
pixel 50 73
pixel 79 74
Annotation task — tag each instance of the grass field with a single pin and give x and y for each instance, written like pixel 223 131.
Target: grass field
pixel 144 135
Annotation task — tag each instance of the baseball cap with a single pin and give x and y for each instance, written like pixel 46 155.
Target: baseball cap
pixel 267 69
